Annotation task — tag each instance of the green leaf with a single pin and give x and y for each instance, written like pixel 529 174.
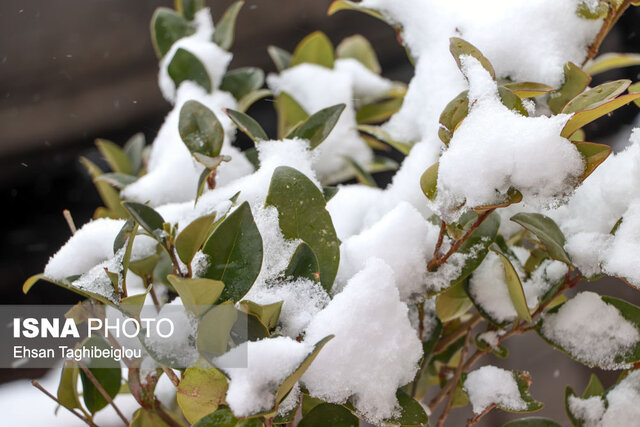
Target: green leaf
pixel 568 392
pixel 252 97
pixel 144 267
pixel 303 264
pixel 109 196
pixel 133 305
pixel 528 89
pixel 201 390
pixel 362 175
pixel 267 314
pixel 635 88
pixel 197 295
pixel 411 412
pixel 339 5
pixel 610 61
pixel 532 422
pixel 429 181
pixel 106 371
pixel 514 285
pixel 452 115
pixel 316 48
pixel 133 148
pixel 214 329
pixel 28 284
pixel 287 384
pixel 547 232
pixel 118 180
pixel 68 387
pixel 593 155
pixel 594 388
pixel 115 156
pixel 242 81
pixel 303 215
pixel 329 414
pixel 586 10
pixel 452 303
pixel 575 81
pixel 319 125
pixel 594 97
pixel 147 418
pixel 290 113
pixel 357 47
pixel 188 8
pixel 149 219
pixel 167 27
pixel 280 57
pixel 512 101
pixel 225 28
pixel 379 111
pixel 235 253
pixel 223 417
pixel 329 192
pixel 191 239
pixel 382 135
pixel 460 47
pixel 200 129
pixel 186 66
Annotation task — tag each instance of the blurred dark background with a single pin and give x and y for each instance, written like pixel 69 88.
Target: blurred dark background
pixel 75 70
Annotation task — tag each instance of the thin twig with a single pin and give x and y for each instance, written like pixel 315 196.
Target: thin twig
pixel 102 391
pixel 67 216
pixel 610 20
pixel 454 336
pixel 476 417
pixel 455 380
pixel 443 228
pixel 172 375
pixel 37 385
pixel 164 415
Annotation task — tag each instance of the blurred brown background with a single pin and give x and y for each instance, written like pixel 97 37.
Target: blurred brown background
pixel 75 70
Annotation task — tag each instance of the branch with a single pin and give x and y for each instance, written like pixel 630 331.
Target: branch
pixel 455 380
pixel 610 20
pixel 102 391
pixel 476 418
pixel 37 385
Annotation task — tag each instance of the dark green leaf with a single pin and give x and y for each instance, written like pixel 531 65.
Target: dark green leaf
pixel 379 111
pixel 167 27
pixel 303 215
pixel 303 264
pixel 200 129
pixel 68 387
pixel 242 81
pixel 411 412
pixel 329 414
pixel 594 388
pixel 224 33
pixel 107 373
pixel 247 125
pixel 319 125
pixel 383 136
pixel 547 232
pixel 188 8
pixel 235 253
pixel 532 422
pixel 186 66
pixel 118 180
pixel 133 149
pixel 267 314
pixel 512 101
pixel 290 113
pixel 115 156
pixel 148 219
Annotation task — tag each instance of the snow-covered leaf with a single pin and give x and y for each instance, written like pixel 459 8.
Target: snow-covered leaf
pixel 452 115
pixel 224 33
pixel 593 154
pixel 593 9
pixel 460 47
pixel 411 412
pixel 329 414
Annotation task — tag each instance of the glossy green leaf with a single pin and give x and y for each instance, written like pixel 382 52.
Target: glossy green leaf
pixel 67 394
pixel 191 239
pixel 575 81
pixel 460 47
pixel 290 113
pixel 267 314
pixel 118 180
pixel 593 155
pixel 532 422
pixel 186 66
pixel 106 371
pixel 197 294
pixel 149 219
pixel 528 89
pixel 200 129
pixel 188 8
pixel 514 285
pixel 455 111
pixel 167 27
pixel 411 412
pixel 357 47
pixel 214 329
pixel 329 414
pixel 109 196
pixel 235 253
pixel 319 125
pixel 594 97
pixel 339 5
pixel 115 156
pixel 303 264
pixel 329 192
pixel 201 390
pixel 512 101
pixel 223 417
pixel 316 48
pixel 429 181
pixel 452 303
pixel 610 61
pixel 382 135
pixel 133 149
pixel 547 231
pixel 303 215
pixel 584 117
pixel 379 111
pixel 594 388
pixel 28 284
pixel 280 57
pixel 242 81
pixel 225 28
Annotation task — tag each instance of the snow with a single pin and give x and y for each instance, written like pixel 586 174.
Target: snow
pixel 589 410
pixel 349 207
pixel 622 402
pixel 303 299
pixel 344 84
pixel 214 58
pixel 591 330
pixel 515 50
pixel 373 340
pixel 502 149
pixel 403 239
pixel 252 389
pixel 489 385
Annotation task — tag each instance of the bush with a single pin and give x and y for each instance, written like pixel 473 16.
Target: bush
pixel 349 302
